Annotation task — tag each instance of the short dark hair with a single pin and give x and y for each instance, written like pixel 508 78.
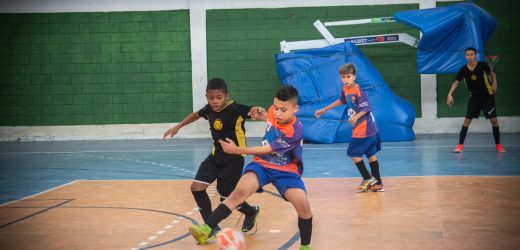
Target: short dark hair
pixel 217 84
pixel 347 68
pixel 471 48
pixel 287 93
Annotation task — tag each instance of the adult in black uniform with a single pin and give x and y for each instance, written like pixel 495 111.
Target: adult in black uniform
pixel 226 119
pixel 482 85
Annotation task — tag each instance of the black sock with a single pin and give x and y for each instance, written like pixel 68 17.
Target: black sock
pixel 204 203
pixel 462 136
pixel 496 134
pixel 374 168
pixel 219 214
pixel 246 209
pixel 363 170
pixel 305 226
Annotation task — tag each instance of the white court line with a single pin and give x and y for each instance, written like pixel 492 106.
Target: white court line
pixel 42 192
pixel 212 190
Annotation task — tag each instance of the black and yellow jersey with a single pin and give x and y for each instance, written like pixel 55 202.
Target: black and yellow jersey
pixel 478 81
pixel 228 122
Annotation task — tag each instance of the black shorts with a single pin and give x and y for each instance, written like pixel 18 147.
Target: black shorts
pixel 486 104
pixel 226 170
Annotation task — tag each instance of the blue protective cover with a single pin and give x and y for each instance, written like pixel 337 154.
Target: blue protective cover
pixel 446 33
pixel 314 73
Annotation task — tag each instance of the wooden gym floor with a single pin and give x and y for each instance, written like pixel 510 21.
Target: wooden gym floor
pixel 135 195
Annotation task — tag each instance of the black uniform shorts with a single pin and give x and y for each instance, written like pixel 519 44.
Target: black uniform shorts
pixel 226 170
pixel 486 104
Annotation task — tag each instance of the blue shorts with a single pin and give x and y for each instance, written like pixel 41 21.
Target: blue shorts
pixel 368 146
pixel 281 180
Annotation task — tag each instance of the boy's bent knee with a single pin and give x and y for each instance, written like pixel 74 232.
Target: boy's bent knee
pixel 197 186
pixel 304 212
pixel 238 196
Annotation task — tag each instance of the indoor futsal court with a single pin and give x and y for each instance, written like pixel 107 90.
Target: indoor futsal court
pixel 114 117
pixel 135 195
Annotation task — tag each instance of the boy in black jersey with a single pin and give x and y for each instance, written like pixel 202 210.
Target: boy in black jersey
pixel 482 85
pixel 226 119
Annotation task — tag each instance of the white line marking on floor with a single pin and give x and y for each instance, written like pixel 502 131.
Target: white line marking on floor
pixel 42 192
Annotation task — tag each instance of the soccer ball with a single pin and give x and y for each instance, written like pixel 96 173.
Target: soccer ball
pixel 230 239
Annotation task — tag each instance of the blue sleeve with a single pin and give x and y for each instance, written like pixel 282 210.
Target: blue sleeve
pixel 363 104
pixel 284 144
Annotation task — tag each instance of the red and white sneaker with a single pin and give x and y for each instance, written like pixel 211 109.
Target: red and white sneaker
pixel 460 147
pixel 500 149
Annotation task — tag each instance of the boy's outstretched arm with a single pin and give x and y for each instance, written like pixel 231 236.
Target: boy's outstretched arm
pixel 258 114
pixel 187 120
pixel 334 104
pixel 230 147
pixel 449 99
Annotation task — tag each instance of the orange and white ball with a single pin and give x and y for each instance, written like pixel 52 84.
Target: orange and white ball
pixel 231 239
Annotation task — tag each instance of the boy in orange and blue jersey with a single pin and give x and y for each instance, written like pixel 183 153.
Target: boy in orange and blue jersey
pixel 277 161
pixel 365 134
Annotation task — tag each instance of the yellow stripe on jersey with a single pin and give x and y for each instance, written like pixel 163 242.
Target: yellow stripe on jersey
pixel 239 132
pixel 488 85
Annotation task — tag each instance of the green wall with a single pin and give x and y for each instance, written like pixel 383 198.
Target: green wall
pixel 504 43
pixel 242 45
pixel 135 67
pixel 94 68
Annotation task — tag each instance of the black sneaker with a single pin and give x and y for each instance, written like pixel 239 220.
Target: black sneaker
pixel 213 233
pixel 250 220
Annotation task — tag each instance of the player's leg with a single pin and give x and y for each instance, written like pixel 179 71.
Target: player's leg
pixel 298 198
pixel 246 186
pixel 227 181
pixel 374 168
pixel 496 135
pixel 490 111
pixel 356 149
pixel 374 163
pixel 472 111
pixel 206 174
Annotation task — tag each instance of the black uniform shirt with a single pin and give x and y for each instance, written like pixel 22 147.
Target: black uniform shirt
pixel 228 122
pixel 477 81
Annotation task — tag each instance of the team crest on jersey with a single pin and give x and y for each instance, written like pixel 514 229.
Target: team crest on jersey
pixel 217 124
pixel 352 99
pixel 473 77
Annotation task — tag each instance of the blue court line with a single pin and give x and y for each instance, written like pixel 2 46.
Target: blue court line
pixel 290 242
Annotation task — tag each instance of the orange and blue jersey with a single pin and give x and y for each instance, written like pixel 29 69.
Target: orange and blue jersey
pixel 286 142
pixel 357 101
